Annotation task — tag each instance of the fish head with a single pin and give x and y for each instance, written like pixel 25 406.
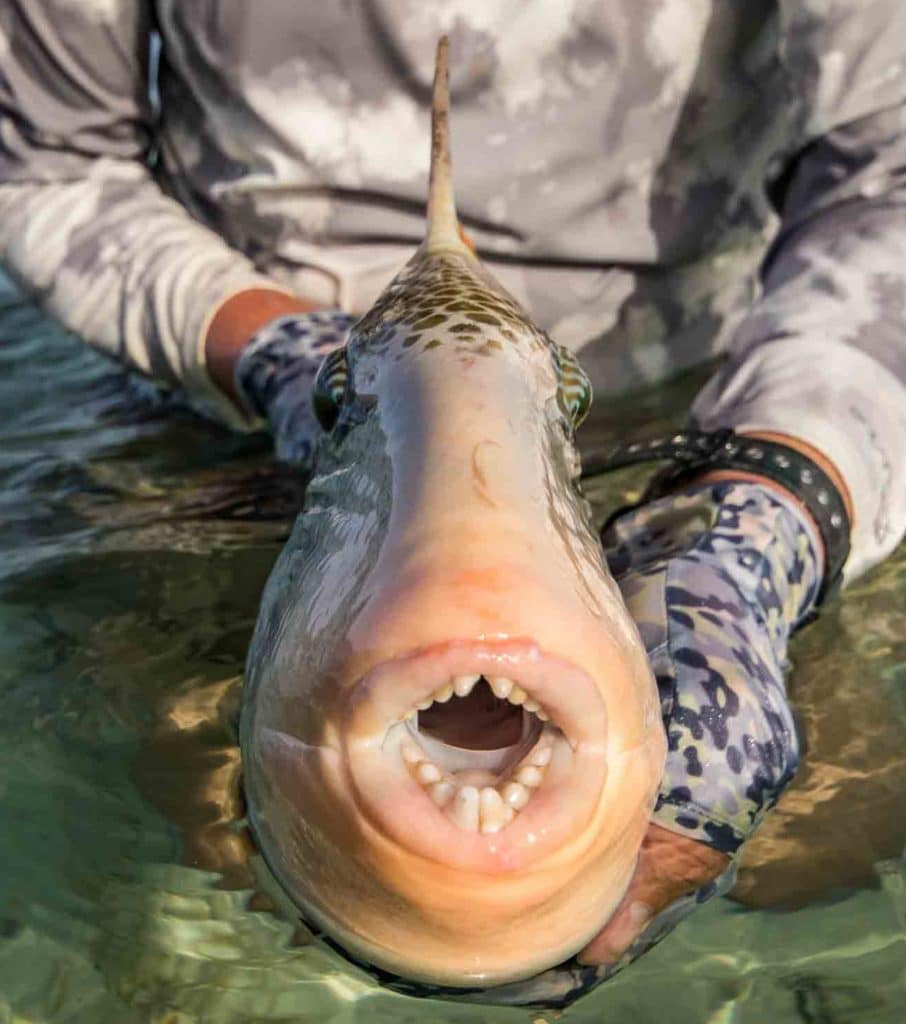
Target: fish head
pixel 451 735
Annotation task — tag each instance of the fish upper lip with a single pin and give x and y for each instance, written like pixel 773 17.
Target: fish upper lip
pixel 389 690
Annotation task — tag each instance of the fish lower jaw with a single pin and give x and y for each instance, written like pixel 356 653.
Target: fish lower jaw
pixel 478 799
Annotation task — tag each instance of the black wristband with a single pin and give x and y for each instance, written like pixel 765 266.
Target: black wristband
pixel 693 452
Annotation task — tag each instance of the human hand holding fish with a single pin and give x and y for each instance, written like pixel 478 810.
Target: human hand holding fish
pixel 264 347
pixel 670 866
pixel 716 576
pixel 275 375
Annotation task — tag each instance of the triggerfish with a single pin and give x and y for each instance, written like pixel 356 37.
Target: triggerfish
pixel 451 735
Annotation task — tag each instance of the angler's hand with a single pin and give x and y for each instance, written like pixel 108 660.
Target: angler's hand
pixel 670 866
pixel 716 577
pixel 275 372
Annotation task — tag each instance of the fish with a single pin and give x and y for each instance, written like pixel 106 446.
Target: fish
pixel 451 736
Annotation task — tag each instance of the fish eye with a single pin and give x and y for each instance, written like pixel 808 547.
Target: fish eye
pixel 574 390
pixel 330 388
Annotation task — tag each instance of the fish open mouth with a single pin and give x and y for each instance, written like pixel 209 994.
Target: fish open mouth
pixel 480 748
pixel 483 754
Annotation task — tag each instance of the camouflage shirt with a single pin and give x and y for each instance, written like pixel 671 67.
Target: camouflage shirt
pixel 624 166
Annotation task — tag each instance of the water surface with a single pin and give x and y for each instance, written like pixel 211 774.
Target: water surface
pixel 134 543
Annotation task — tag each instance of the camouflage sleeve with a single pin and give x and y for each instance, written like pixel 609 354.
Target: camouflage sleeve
pixel 822 355
pixel 84 226
pixel 717 576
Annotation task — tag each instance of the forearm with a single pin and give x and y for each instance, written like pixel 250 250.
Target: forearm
pixel 234 323
pixel 717 575
pixel 821 357
pixel 126 268
pixel 816 456
pixel 85 227
pixel 840 405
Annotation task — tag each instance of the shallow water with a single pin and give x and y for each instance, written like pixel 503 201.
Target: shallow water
pixel 135 541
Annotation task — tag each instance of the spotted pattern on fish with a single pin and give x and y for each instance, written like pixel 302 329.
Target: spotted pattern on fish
pixel 714 577
pixel 445 298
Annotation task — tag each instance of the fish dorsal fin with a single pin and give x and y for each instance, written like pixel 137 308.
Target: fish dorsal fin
pixel 443 225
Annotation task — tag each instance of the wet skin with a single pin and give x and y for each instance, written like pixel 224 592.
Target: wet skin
pixel 444 536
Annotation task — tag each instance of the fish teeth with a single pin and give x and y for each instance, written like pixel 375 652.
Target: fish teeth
pixel 442 791
pixel 501 686
pixel 412 752
pixel 428 772
pixel 464 809
pixel 476 800
pixel 515 795
pixel 444 693
pixel 463 685
pixel 491 811
pixel 540 756
pixel 529 775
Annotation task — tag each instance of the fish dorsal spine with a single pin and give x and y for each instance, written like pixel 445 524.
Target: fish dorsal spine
pixel 443 232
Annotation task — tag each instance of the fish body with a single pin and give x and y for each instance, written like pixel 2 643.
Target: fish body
pixel 451 735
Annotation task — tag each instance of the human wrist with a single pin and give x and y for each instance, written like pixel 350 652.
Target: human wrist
pixel 724 456
pixel 235 322
pixel 804 448
pixel 275 372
